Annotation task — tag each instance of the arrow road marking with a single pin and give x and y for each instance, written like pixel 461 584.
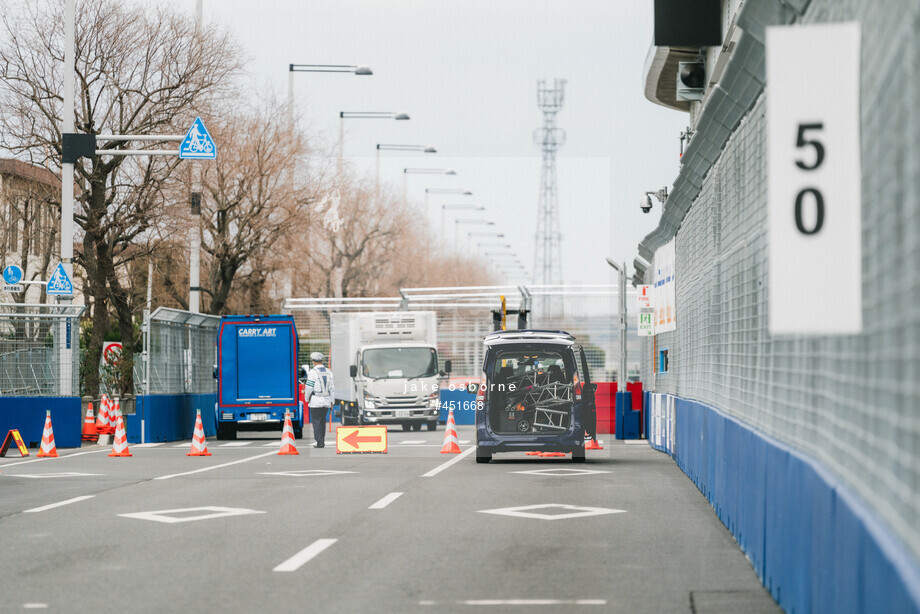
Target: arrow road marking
pixel 305 556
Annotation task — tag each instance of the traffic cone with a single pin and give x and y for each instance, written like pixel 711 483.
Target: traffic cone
pixel 451 443
pixel 287 437
pixel 89 425
pixel 120 443
pixel 102 420
pixel 199 447
pixel 593 444
pixel 114 412
pixel 48 449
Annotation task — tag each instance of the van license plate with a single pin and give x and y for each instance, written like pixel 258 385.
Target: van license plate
pixel 402 413
pixel 258 417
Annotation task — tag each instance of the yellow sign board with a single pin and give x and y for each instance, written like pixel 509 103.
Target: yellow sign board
pixel 12 436
pixel 358 439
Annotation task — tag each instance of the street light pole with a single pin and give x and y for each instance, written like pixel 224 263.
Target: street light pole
pixel 621 372
pixel 343 115
pixel 444 207
pixel 390 147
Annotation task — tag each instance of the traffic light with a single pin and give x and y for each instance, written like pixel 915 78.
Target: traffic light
pixel 691 79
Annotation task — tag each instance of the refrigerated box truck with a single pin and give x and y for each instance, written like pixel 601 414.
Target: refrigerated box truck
pixel 386 368
pixel 257 375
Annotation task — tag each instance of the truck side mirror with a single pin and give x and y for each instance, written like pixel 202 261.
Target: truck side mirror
pixel 353 370
pixel 447 366
pixel 215 371
pixel 302 372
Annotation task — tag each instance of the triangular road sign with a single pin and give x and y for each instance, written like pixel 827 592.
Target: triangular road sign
pixel 60 282
pixel 198 143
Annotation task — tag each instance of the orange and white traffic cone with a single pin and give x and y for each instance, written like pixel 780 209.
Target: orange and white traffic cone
pixel 102 420
pixel 114 414
pixel 287 437
pixel 120 443
pixel 48 449
pixel 592 444
pixel 89 425
pixel 199 446
pixel 451 443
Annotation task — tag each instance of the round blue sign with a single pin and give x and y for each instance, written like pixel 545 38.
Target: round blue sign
pixel 12 274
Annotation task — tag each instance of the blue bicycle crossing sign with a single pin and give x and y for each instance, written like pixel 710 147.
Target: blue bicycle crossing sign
pixel 60 282
pixel 197 143
pixel 12 274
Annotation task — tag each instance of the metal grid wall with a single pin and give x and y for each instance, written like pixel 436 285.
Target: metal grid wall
pixel 40 350
pixel 851 401
pixel 464 317
pixel 182 353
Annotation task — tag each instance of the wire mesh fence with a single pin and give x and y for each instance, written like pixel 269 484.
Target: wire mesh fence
pixel 849 401
pixel 39 349
pixel 180 353
pixel 465 316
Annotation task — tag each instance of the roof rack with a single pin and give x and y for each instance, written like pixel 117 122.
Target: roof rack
pixel 529 335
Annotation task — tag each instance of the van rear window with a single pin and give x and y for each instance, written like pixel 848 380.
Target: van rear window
pixel 530 392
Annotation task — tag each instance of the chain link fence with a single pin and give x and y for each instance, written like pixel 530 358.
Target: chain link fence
pixel 850 401
pixel 39 350
pixel 180 353
pixel 464 317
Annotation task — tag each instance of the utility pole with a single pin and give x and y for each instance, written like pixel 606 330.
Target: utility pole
pixel 194 274
pixel 548 241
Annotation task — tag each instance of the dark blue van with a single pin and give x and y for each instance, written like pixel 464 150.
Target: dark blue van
pixel 535 394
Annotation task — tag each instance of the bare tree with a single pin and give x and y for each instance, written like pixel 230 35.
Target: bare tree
pixel 138 71
pixel 250 199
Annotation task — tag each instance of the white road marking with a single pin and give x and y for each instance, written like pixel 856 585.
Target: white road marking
pixel 38 460
pixel 304 556
pixel 215 512
pixel 272 444
pixel 52 475
pixel 464 442
pixel 634 442
pixel 390 498
pixel 444 466
pixel 560 472
pixel 183 445
pixel 574 511
pixel 409 442
pixel 146 445
pixel 34 606
pixel 305 473
pixel 242 460
pixel 493 602
pixel 59 504
pixel 234 444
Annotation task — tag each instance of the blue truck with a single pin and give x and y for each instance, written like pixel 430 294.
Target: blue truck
pixel 256 373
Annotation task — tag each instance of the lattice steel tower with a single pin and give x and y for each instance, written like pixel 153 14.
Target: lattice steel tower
pixel 547 267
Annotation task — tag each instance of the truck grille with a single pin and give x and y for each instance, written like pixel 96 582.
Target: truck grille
pixel 397 402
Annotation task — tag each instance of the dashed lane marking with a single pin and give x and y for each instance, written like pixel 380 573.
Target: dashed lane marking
pixel 523 602
pixel 444 466
pixel 146 445
pixel 305 473
pixel 52 475
pixel 305 556
pixel 39 460
pixel 234 444
pixel 59 504
pixel 390 498
pixel 242 460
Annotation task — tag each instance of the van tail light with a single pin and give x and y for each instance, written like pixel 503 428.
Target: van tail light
pixel 578 388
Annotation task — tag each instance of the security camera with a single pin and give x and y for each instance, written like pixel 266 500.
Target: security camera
pixel 646 204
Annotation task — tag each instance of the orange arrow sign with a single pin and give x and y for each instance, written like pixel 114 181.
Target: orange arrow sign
pixel 356 439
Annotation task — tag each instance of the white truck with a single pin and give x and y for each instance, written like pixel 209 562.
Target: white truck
pixel 386 368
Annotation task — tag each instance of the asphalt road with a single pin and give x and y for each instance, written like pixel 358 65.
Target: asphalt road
pixel 401 532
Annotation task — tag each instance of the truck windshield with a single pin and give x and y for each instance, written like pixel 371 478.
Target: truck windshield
pixel 400 362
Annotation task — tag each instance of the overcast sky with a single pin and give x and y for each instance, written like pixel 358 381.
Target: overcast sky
pixel 466 71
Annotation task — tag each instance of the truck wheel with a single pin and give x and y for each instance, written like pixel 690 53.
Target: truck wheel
pixel 406 427
pixel 483 456
pixel 417 426
pixel 432 426
pixel 226 431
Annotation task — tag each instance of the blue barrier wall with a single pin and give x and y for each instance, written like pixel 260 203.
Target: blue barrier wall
pixel 28 415
pixel 171 417
pixel 816 547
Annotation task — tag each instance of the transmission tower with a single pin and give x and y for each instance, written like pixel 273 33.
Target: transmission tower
pixel 547 267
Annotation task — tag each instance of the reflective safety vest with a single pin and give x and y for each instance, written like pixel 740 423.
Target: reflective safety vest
pixel 320 387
